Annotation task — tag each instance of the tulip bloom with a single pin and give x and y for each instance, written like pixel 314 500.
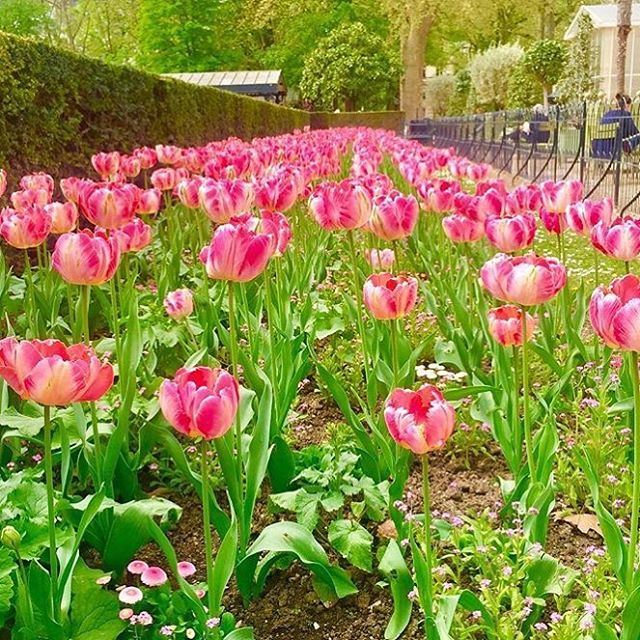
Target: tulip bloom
pixel 3 182
pixel 64 216
pixel 109 206
pixel 106 164
pixel 461 228
pixel 557 196
pixel 277 226
pixel 189 192
pixel 505 325
pixel 553 221
pixel 39 181
pixel 147 156
pixel 51 374
pixel 389 297
pixel 523 199
pixel 340 205
pixel 200 402
pixel 224 199
pixel 27 228
pixel 512 233
pixel 21 200
pixel 582 217
pixel 85 258
pixel 394 217
pixel 134 236
pixel 149 203
pixel 237 253
pixel 380 258
pixel 491 203
pixel 164 179
pixel 168 154
pixel 523 280
pixel 277 192
pixel 620 240
pixel 420 421
pixel 130 166
pixel 71 188
pixel 179 304
pixel 615 313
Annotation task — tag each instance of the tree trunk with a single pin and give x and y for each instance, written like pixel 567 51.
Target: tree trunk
pixel 623 30
pixel 413 53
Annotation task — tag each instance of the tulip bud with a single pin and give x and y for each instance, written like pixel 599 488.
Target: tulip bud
pixel 10 537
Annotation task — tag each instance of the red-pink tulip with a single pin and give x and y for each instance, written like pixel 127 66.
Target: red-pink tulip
pixel 523 199
pixel 388 297
pixel 277 192
pixel 340 205
pixel 109 206
pixel 130 166
pixel 147 156
pixel 615 313
pixel 620 240
pixel 557 196
pixel 394 217
pixel 64 216
pixel 524 280
pixel 38 181
pixel 200 402
pixel 420 421
pixel 461 228
pixel 490 204
pixel 85 258
pixel 237 253
pixel 27 228
pixel 380 259
pixel 277 226
pixel 164 179
pixel 582 217
pixel 149 202
pixel 134 236
pixel 511 233
pixel 106 164
pixel 49 373
pixel 179 304
pixel 224 199
pixel 553 221
pixel 505 325
pixel 26 198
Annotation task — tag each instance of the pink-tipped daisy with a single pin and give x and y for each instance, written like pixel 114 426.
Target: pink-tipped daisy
pixel 137 567
pixel 130 595
pixel 102 580
pixel 153 577
pixel 186 569
pixel 125 614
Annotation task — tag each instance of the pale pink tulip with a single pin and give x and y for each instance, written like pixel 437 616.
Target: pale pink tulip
pixel 106 164
pixel 72 187
pixel 149 202
pixel 164 179
pixel 147 156
pixel 189 192
pixel 24 199
pixel 388 297
pixel 130 166
pixel 39 182
pixel 133 237
pixel 168 154
pixel 461 228
pixel 511 233
pixel 380 259
pixel 505 325
pixel 179 304
pixel 64 216
pixel 278 192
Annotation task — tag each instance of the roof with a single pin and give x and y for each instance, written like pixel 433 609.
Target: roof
pixel 268 82
pixel 603 16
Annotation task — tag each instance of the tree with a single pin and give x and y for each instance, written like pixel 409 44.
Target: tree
pixel 523 91
pixel 350 69
pixel 577 82
pixel 439 92
pixel 490 72
pixel 622 36
pixel 545 62
pixel 24 17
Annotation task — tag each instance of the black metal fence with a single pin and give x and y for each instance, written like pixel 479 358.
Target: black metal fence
pixel 593 141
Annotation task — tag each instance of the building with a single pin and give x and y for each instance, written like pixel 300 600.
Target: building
pixel 604 18
pixel 267 85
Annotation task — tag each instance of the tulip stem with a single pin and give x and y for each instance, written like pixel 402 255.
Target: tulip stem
pixel 358 299
pixel 271 318
pixel 525 398
pixel 517 444
pixel 114 309
pixel 51 515
pixel 28 277
pixel 426 502
pixel 635 505
pixel 394 353
pixel 206 522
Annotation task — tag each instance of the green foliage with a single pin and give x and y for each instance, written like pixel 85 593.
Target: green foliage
pixel 439 92
pixel 490 72
pixel 523 91
pixel 545 62
pixel 59 108
pixel 350 69
pixel 24 17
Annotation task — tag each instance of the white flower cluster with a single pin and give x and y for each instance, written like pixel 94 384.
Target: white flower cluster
pixel 435 371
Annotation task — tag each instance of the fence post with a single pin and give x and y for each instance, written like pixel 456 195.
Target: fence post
pixel 556 144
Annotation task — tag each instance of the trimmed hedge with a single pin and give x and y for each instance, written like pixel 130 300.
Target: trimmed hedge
pixel 392 120
pixel 57 108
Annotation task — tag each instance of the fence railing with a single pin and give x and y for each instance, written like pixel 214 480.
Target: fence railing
pixel 592 141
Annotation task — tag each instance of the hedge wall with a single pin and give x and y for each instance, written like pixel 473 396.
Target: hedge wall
pixel 392 120
pixel 57 108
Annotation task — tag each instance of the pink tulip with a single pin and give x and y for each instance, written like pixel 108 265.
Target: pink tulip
pixel 85 258
pixel 524 280
pixel 200 402
pixel 380 259
pixel 523 199
pixel 461 228
pixel 22 200
pixel 491 203
pixel 179 304
pixel 505 325
pixel 277 226
pixel 189 192
pixel 27 228
pixel 439 198
pixel 150 201
pixel 147 156
pixel 106 164
pixel 237 253
pixel 168 154
pixel 109 206
pixel 71 188
pixel 394 217
pixel 49 373
pixel 64 216
pixel 277 192
pixel 420 421
pixel 620 240
pixel 557 196
pixel 130 166
pixel 134 236
pixel 553 221
pixel 39 182
pixel 224 199
pixel 388 297
pixel 582 217
pixel 615 313
pixel 164 179
pixel 477 172
pixel 512 233
pixel 3 182
pixel 340 205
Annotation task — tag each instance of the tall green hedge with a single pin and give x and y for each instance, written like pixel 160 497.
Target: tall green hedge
pixel 57 108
